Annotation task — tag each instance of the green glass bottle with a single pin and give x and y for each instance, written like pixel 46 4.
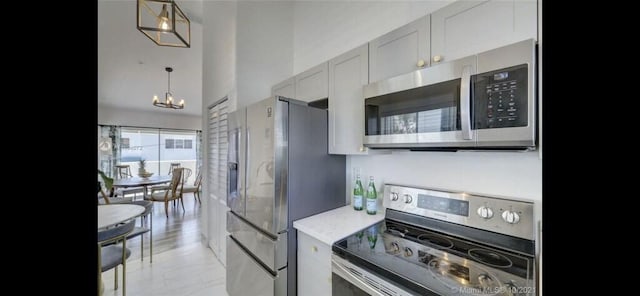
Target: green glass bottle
pixel 372 197
pixel 358 193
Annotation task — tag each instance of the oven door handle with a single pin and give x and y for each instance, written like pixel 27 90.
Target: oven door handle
pixel 465 102
pixel 346 274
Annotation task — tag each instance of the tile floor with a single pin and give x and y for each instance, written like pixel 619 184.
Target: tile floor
pixel 191 270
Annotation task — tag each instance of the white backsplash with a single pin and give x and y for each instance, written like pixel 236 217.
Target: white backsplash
pixel 509 174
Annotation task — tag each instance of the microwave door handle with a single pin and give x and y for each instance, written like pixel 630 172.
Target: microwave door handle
pixel 465 102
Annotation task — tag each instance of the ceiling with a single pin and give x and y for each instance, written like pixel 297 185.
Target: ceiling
pixel 131 68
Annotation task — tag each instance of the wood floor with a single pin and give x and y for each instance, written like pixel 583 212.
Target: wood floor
pixel 182 263
pixel 180 229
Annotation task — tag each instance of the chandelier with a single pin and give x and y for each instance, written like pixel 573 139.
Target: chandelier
pixel 168 96
pixel 164 23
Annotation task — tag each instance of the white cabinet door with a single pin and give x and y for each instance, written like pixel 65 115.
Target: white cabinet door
pixel 286 88
pixel 314 266
pixel 312 84
pixel 222 231
pixel 468 27
pixel 400 51
pixel 347 74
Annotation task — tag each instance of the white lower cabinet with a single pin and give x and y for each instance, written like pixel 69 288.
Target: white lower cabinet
pixel 314 266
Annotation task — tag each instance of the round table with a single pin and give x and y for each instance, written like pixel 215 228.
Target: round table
pixel 109 215
pixel 144 182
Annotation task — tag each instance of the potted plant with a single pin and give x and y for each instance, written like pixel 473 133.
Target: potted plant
pixel 141 170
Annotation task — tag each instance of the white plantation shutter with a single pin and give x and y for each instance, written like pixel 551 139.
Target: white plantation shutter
pixel 217 169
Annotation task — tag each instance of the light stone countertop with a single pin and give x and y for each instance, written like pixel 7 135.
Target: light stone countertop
pixel 331 226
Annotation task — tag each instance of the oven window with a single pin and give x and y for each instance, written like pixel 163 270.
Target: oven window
pixel 431 108
pixel 342 287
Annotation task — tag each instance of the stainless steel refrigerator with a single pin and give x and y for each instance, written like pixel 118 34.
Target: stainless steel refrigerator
pixel 279 171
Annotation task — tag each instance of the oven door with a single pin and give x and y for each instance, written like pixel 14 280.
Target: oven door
pixel 348 279
pixel 426 108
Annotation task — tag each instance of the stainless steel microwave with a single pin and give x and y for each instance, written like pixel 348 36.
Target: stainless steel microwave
pixel 483 101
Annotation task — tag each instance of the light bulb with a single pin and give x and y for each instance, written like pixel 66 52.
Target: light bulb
pixel 164 24
pixel 170 99
pixel 181 102
pixel 155 98
pixel 163 18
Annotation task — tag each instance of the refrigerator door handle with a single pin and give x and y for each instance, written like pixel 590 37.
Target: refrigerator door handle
pixel 248 158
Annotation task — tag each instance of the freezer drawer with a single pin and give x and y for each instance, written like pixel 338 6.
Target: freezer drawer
pixel 269 248
pixel 245 276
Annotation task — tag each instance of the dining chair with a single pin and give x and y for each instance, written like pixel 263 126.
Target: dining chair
pixel 195 188
pixel 172 166
pixel 123 171
pixel 138 230
pixel 173 192
pixel 111 255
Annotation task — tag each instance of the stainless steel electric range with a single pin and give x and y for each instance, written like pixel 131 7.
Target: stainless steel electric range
pixel 434 242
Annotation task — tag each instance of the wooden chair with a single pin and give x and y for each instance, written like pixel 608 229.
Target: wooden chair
pixel 123 171
pixel 195 188
pixel 110 254
pixel 173 192
pixel 172 166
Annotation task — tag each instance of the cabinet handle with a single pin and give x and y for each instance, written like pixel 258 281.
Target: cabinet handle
pixel 314 248
pixel 421 63
pixel 437 58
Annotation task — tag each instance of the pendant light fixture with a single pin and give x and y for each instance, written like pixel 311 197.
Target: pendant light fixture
pixel 164 23
pixel 168 96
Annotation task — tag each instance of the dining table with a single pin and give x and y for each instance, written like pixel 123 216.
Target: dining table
pixel 144 182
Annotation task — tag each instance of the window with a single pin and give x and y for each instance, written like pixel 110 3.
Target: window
pixel 124 143
pixel 217 170
pixel 178 144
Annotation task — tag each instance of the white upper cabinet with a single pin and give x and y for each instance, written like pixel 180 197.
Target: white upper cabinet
pixel 400 51
pixel 312 84
pixel 285 88
pixel 468 27
pixel 348 73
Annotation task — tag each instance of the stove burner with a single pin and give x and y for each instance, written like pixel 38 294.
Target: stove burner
pixel 438 240
pixel 490 258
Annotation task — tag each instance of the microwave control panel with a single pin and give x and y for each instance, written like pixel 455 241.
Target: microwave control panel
pixel 500 98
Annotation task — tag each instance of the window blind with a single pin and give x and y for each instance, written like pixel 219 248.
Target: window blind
pixel 217 152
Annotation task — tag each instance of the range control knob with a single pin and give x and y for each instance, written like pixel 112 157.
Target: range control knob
pixel 485 212
pixel 393 196
pixel 510 217
pixel 395 248
pixel 408 198
pixel 408 252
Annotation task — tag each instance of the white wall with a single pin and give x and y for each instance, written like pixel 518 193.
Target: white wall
pixel 264 48
pixel 109 115
pixel 218 81
pixel 219 52
pixel 325 29
pixel 510 174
